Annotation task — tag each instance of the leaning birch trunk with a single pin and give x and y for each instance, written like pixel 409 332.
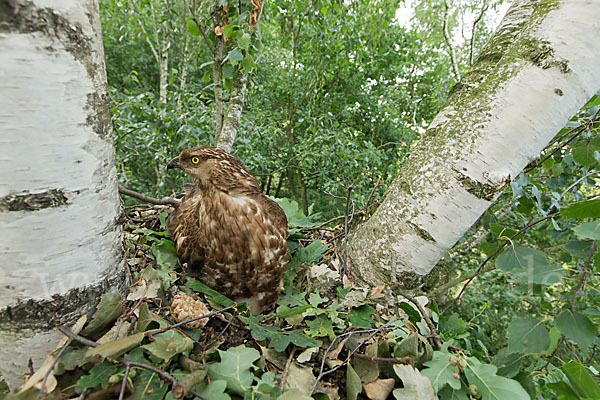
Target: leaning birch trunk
pixel 60 245
pixel 538 69
pixel 231 122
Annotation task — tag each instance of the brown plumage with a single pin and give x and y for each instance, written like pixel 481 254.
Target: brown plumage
pixel 233 237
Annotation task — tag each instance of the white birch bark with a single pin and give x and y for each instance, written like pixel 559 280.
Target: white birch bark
pixel 539 68
pixel 231 122
pixel 60 243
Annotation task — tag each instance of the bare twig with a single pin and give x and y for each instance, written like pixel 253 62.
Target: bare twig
pixel 124 383
pixel 167 201
pixel 286 370
pixel 47 374
pixel 446 34
pixel 484 8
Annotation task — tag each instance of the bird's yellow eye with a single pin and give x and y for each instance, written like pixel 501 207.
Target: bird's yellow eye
pixel 195 160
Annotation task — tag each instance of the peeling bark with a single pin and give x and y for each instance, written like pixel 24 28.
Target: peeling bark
pixel 62 246
pixel 496 120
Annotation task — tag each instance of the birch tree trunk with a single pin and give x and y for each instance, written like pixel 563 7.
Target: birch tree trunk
pixel 61 245
pixel 225 138
pixel 539 68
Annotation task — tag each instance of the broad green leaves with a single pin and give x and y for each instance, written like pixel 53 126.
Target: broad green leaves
pixel 581 380
pixel 235 368
pixel 441 372
pixel 577 327
pixel 278 339
pixel 491 386
pixel 527 265
pixel 583 209
pixel 589 230
pixel 527 335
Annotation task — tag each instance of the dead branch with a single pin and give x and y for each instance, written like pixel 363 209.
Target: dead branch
pixel 167 201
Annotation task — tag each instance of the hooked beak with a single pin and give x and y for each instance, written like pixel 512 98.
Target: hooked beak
pixel 174 163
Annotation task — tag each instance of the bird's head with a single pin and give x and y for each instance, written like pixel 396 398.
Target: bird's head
pixel 213 166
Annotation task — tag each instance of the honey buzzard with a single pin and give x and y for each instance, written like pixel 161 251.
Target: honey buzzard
pixel 233 237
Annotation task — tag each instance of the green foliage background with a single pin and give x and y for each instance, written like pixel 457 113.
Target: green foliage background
pixel 337 95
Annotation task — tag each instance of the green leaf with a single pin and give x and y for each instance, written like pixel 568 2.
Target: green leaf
pixel 109 309
pixel 577 327
pixel 168 344
pixel 114 349
pixel 527 335
pixel 492 386
pixel 145 318
pixel 98 375
pixel 416 386
pixel 589 230
pixel 295 216
pixel 579 248
pixel 501 231
pixel 440 372
pixel 192 27
pixel 278 339
pixel 413 315
pixel 448 393
pixel 165 254
pixel 508 365
pixel 215 296
pixel 353 384
pixel 452 326
pixel 309 254
pixel 315 299
pixel 234 57
pixel 215 390
pixel 234 368
pixel 583 209
pixel 362 316
pixel 584 155
pixel 528 265
pixel 148 386
pixel 581 379
pixel 320 326
pixel 244 41
pixel 248 63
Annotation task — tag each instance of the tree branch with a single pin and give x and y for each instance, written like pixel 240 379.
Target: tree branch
pixel 451 51
pixel 167 201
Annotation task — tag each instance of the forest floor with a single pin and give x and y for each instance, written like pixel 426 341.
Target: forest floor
pixel 172 336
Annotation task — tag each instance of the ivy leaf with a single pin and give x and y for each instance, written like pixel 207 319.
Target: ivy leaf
pixel 165 254
pixel 278 339
pixel 168 344
pixel 309 254
pixel 527 335
pixel 361 316
pixel 589 230
pixel 109 309
pixel 528 265
pixel 581 379
pixel 583 209
pixel 492 386
pixel 315 299
pixel 577 327
pixel 584 155
pixel 234 368
pixel 320 326
pixel 440 372
pixel 98 375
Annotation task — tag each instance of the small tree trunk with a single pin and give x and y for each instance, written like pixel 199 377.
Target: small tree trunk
pixel 535 73
pixel 231 122
pixel 61 245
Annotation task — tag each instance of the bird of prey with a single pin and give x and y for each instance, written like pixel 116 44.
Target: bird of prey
pixel 233 237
